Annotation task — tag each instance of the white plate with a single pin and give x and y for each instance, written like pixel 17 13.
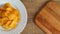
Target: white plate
pixel 22 10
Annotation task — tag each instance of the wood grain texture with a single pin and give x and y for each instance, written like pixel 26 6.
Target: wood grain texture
pixel 49 18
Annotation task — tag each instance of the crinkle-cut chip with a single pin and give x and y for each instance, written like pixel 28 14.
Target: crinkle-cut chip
pixel 8 22
pixel 9 9
pixel 7 13
pixel 5 27
pixel 4 20
pixel 11 16
pixel 2 9
pixel 15 12
pixel 13 25
pixel 16 19
pixel 7 5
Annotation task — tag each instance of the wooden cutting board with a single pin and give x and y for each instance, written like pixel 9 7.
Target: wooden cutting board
pixel 48 19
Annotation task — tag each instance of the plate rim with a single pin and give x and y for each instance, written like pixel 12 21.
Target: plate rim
pixel 26 15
